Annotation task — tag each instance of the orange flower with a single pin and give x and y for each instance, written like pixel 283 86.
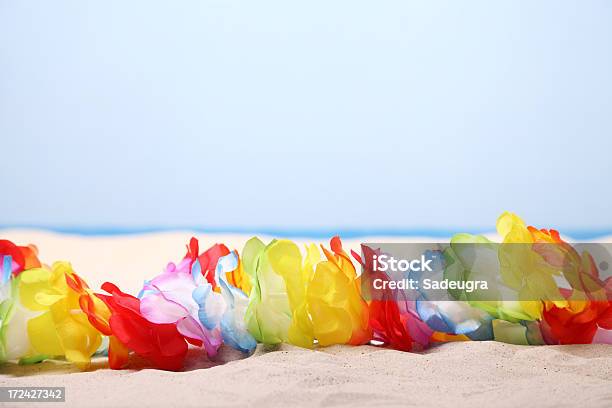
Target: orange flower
pixel 24 257
pixel 580 270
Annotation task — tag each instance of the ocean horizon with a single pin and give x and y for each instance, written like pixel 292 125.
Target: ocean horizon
pixel 314 233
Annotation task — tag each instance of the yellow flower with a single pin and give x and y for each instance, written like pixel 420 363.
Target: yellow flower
pixel 339 313
pixel 61 329
pixel 523 269
pixel 286 260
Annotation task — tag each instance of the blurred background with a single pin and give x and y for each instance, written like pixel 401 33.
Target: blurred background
pixel 312 116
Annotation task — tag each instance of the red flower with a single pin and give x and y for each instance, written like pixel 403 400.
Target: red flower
pixel 390 318
pixel 577 323
pixel 162 344
pixel 118 316
pixel 24 256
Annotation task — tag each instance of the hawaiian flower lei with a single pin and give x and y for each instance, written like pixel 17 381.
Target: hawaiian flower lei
pixel 275 292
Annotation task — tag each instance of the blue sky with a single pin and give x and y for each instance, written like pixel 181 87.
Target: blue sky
pixel 321 114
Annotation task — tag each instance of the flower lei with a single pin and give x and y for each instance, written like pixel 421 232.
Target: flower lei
pixel 276 293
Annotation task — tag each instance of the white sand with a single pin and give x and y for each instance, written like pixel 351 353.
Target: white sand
pixel 475 374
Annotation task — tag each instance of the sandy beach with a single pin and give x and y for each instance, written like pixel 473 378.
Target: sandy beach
pixel 455 374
